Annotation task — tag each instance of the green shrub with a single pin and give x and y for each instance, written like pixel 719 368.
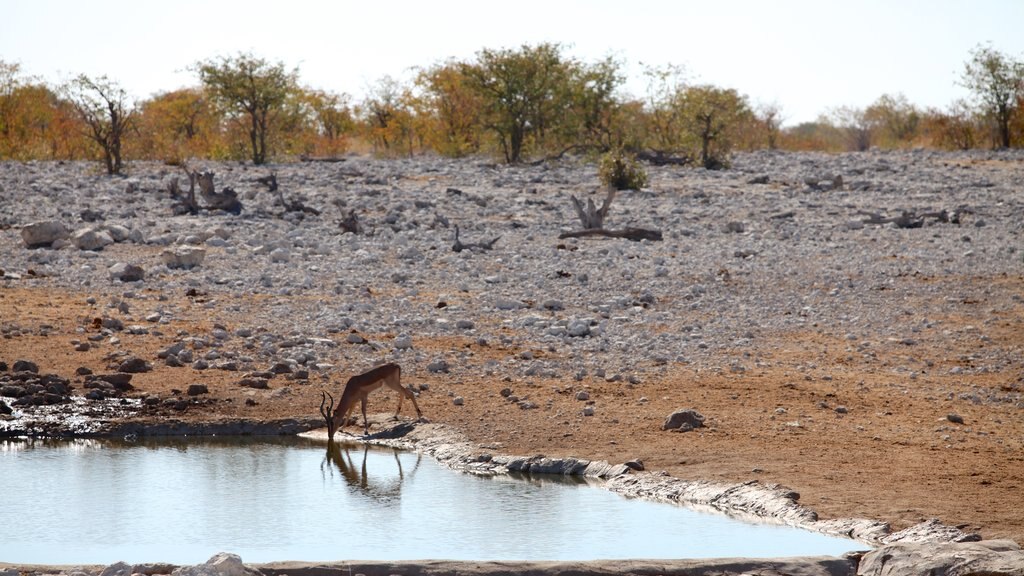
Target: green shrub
pixel 621 171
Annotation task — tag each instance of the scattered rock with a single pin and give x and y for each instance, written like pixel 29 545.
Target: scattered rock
pixel 135 365
pixel 91 239
pixel 25 366
pixel 43 234
pixel 683 420
pixel 635 464
pixel 183 257
pixel 127 272
pixel 197 389
pixel 438 366
pixel 955 418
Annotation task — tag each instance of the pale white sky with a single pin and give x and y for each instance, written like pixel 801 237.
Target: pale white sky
pixel 807 55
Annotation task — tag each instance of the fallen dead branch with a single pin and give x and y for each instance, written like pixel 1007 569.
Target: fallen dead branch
pixel 459 246
pixel 911 219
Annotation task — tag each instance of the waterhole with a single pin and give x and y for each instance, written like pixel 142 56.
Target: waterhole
pixel 183 500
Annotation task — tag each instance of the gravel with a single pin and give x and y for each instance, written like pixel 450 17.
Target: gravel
pixel 776 245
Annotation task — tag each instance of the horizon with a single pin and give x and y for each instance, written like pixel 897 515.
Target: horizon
pixel 808 57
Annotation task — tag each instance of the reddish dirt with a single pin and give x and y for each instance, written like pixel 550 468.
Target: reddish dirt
pixel 892 455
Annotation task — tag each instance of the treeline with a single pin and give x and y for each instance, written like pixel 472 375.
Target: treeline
pixel 523 104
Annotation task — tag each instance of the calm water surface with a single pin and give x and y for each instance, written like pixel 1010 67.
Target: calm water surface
pixel 182 501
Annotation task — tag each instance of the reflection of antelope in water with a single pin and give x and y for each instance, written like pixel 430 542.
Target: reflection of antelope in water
pixel 360 480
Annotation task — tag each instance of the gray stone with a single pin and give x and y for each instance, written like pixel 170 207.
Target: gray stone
pixel 90 239
pixel 127 272
pixel 684 420
pixel 222 564
pixel 989 557
pixel 135 365
pixel 43 234
pixel 197 389
pixel 183 257
pixel 119 569
pixel 117 232
pixel 403 342
pixel 280 255
pixel 579 328
pixel 438 366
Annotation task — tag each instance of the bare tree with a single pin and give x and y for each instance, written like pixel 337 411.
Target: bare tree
pixel 771 117
pixel 105 109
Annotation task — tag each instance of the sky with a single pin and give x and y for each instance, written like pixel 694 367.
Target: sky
pixel 807 56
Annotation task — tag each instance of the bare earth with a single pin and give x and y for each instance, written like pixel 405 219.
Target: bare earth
pixel 892 455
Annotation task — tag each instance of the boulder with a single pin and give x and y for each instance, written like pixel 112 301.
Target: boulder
pixel 90 239
pixel 184 257
pixel 43 234
pixel 117 232
pixel 119 569
pixel 989 557
pixel 222 564
pixel 134 365
pixel 683 420
pixel 127 272
pixel 25 366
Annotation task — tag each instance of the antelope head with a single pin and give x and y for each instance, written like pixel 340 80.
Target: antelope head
pixel 326 410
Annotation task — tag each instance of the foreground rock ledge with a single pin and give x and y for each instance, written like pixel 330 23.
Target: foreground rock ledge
pixel 991 558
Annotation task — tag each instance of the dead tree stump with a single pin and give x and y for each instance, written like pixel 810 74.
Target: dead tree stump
pixel 592 219
pixel 350 223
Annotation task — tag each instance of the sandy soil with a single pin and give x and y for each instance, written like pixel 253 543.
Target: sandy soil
pixel 889 452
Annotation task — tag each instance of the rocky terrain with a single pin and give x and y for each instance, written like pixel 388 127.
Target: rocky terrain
pixel 848 326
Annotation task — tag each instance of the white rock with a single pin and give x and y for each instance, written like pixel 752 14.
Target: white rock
pixel 183 257
pixel 91 239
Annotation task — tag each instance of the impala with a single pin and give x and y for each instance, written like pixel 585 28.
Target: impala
pixel 358 388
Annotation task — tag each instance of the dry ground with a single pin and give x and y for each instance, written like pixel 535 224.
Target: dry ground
pixel 892 455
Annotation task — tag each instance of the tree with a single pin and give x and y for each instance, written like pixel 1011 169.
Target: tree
pixel 894 119
pixel 710 116
pixel 107 113
pixel 664 124
pixel 451 108
pixel 595 120
pixel 252 91
pixel 332 116
pixel 855 126
pixel 997 81
pixel 176 125
pixel 388 114
pixel 523 93
pixel 771 118
pixel 954 128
